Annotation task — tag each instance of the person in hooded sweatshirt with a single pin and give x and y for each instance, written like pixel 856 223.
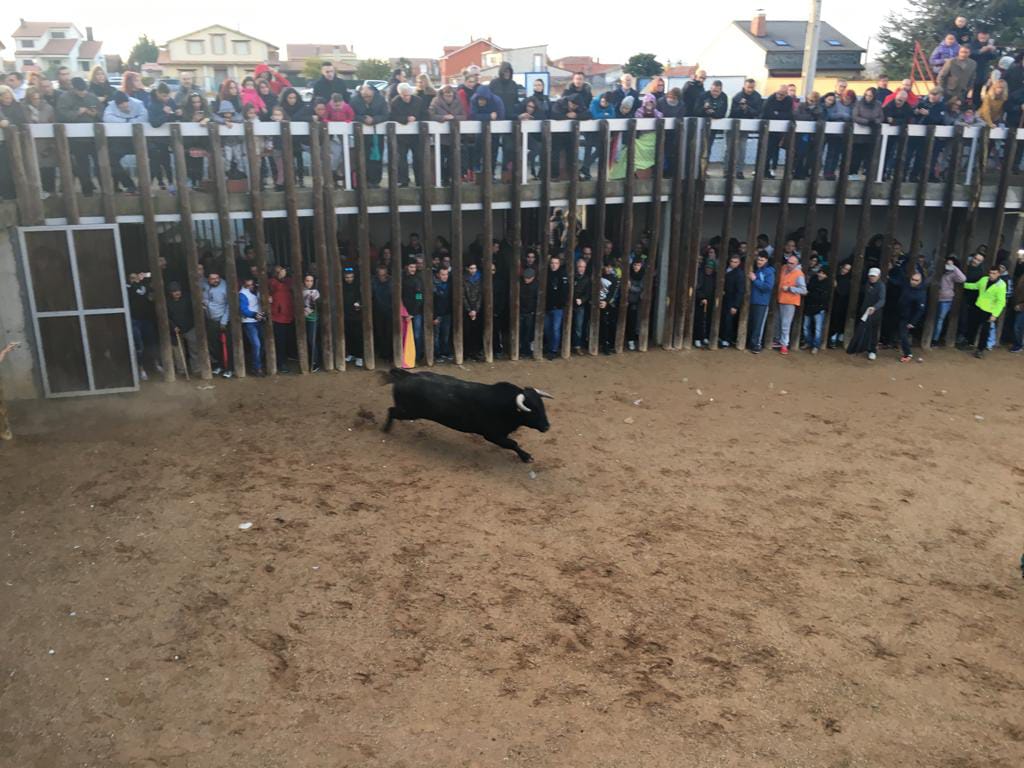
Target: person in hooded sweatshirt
pixel 913 302
pixel 484 107
pixel 507 90
pixel 869 316
pixel 704 300
pixel 818 290
pixel 762 280
pixel 840 305
pixel 370 109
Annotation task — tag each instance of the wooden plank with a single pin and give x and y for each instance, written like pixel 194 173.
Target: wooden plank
pixel 942 251
pixel 598 236
pixel 366 276
pixel 781 226
pixel 336 299
pixel 838 218
pixel 895 190
pixel 397 262
pixel 857 274
pixel 67 176
pixel 163 323
pixel 675 247
pixel 697 224
pixel 425 174
pixel 291 205
pixel 259 246
pixel 517 245
pixel 326 267
pixel 811 220
pixel 753 229
pixel 487 201
pixel 545 242
pixel 921 194
pixel 106 174
pixel 688 261
pixel 220 186
pixel 458 275
pixel 626 235
pixel 999 211
pixel 732 143
pixel 188 242
pixel 647 297
pixel 569 261
pixel 34 181
pixel 26 204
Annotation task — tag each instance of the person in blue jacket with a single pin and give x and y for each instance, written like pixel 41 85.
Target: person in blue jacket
pixel 762 281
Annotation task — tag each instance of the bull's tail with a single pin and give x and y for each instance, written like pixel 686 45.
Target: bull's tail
pixel 394 375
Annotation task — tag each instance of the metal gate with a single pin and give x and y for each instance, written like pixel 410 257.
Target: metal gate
pixel 78 299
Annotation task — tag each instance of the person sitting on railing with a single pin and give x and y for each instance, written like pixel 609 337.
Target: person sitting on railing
pixel 957 75
pixel 943 52
pixel 446 108
pixel 867 112
pixel 693 93
pixel 898 112
pixel 80 106
pixel 644 157
pixel 370 109
pixel 337 110
pixel 580 89
pixel 746 105
pixel 777 107
pixel 39 110
pixel 296 111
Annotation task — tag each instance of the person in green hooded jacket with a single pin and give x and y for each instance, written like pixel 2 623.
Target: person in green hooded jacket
pixel 987 308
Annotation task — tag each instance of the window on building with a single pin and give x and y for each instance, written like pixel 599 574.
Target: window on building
pixel 57 35
pixel 28 62
pixel 423 68
pixel 27 43
pixel 834 43
pixel 240 47
pixel 781 43
pixel 492 59
pixel 195 47
pixel 219 43
pixel 84 64
pixel 538 62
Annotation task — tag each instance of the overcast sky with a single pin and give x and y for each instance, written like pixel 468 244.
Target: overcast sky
pixel 413 30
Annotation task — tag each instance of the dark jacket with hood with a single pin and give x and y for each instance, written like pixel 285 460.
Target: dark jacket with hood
pixel 747 106
pixel 713 106
pixel 297 112
pixel 777 109
pixel 528 297
pixel 693 93
pixel 585 92
pixel 558 289
pixel 505 88
pixel 492 104
pixel 818 291
pixel 735 285
pixel 912 304
pixel 377 109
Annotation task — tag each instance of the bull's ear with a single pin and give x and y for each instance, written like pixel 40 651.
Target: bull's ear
pixel 542 393
pixel 521 403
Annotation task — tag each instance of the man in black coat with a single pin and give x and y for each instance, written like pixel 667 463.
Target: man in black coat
pixel 407 109
pixel 554 306
pixel 527 311
pixel 819 286
pixel 328 83
pixel 779 106
pixel 183 328
pixel 732 300
pixel 693 92
pixel 746 105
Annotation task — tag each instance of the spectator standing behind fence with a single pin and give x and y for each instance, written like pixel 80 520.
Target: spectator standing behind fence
pixel 162 110
pixel 779 106
pixel 78 105
pixel 443 315
pixel 218 310
pixel 371 109
pixel 732 301
pixel 819 287
pixel 581 291
pixel 1017 302
pixel 472 304
pixel 554 307
pixel 840 305
pixel 183 328
pixel 446 108
pixel 406 109
pixel 693 92
pixel 310 300
pixel 412 300
pixel 913 303
pixel 983 53
pixel 762 281
pixel 957 75
pixel 746 105
pixel 704 299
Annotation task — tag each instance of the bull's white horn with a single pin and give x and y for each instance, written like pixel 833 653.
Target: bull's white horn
pixel 542 393
pixel 521 403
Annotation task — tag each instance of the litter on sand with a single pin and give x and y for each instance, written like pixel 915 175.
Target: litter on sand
pixel 245 526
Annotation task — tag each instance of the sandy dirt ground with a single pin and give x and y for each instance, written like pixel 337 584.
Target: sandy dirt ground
pixel 719 560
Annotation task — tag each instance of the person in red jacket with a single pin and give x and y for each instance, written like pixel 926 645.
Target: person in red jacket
pixel 282 313
pixel 278 82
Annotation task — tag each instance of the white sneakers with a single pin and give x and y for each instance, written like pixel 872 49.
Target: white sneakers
pixel 872 355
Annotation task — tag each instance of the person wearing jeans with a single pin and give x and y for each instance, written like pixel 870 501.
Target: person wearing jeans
pixel 817 305
pixel 252 323
pixel 1018 320
pixel 762 281
pixel 988 307
pixel 557 293
pixel 791 287
pixel 442 315
pixel 947 290
pixel 582 286
pixel 310 298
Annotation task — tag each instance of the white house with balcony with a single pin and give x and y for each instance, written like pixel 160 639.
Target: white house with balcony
pixel 45 46
pixel 214 54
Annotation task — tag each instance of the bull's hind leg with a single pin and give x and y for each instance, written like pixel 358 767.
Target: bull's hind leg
pixel 392 415
pixel 504 441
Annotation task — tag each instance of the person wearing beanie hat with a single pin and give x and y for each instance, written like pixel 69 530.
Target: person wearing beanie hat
pixel 704 300
pixel 872 302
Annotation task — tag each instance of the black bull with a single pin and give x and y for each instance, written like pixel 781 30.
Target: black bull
pixel 492 411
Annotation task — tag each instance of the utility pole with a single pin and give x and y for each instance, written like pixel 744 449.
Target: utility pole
pixel 811 43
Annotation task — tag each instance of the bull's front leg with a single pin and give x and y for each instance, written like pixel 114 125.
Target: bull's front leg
pixel 504 441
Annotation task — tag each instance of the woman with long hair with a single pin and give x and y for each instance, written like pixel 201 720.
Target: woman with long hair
pixel 268 97
pixel 132 86
pixel 195 110
pixel 100 86
pixel 228 91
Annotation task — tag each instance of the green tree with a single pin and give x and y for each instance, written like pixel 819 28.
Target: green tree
pixel 926 21
pixel 143 52
pixel 643 65
pixel 373 69
pixel 311 67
